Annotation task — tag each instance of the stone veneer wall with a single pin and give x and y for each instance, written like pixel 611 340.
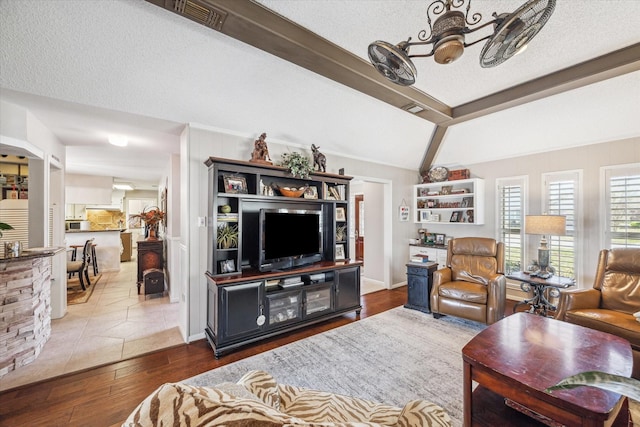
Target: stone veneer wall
pixel 25 311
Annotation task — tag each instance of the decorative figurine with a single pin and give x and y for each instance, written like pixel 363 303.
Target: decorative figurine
pixel 260 151
pixel 319 159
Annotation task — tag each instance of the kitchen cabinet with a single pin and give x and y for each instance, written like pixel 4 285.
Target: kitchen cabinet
pixel 75 211
pixel 125 239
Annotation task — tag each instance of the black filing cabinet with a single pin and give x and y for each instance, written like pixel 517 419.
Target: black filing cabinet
pixel 419 282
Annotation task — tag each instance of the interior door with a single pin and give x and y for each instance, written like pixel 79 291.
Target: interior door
pixel 359 199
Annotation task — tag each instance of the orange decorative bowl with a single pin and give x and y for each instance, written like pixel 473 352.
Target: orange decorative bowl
pixel 291 191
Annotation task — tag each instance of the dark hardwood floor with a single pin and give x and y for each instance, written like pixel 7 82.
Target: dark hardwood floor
pixel 106 395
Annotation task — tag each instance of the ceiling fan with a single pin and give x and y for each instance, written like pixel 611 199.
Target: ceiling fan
pixel 512 32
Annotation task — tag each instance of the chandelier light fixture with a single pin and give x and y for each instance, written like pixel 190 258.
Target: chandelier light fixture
pixel 448 26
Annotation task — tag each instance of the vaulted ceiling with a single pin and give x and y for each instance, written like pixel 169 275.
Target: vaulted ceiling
pixel 298 70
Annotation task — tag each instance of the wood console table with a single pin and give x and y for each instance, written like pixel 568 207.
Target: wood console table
pixel 150 255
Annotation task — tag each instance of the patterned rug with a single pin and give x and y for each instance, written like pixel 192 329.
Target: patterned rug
pixel 391 358
pixel 75 294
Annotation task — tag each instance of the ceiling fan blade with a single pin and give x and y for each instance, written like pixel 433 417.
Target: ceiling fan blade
pixel 392 62
pixel 516 31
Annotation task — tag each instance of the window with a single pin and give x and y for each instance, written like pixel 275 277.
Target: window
pixel 622 204
pixel 561 198
pixel 510 219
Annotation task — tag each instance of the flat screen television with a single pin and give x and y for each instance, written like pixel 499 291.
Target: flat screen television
pixel 289 238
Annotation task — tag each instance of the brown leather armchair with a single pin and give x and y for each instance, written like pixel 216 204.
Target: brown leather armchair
pixel 610 304
pixel 472 285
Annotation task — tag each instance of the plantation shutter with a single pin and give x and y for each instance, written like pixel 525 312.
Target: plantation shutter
pixel 623 211
pixel 510 219
pixel 562 200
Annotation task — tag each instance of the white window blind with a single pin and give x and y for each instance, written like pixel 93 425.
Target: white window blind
pixel 623 208
pixel 562 199
pixel 510 219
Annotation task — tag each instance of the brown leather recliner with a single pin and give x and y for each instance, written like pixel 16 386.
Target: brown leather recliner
pixel 472 285
pixel 610 304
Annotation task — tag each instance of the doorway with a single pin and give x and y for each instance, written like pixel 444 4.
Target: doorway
pixel 372 219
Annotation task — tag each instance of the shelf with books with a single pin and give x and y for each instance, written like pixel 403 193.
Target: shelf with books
pixel 450 202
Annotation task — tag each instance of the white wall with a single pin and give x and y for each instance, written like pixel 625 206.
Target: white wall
pixel 588 159
pixel 19 129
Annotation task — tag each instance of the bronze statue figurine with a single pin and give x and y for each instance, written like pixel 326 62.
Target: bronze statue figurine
pixel 319 159
pixel 260 152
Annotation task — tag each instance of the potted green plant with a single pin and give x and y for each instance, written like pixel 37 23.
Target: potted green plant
pixel 4 226
pixel 227 236
pixel 629 387
pixel 298 165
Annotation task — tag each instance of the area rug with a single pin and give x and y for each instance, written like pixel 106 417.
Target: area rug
pixel 75 294
pixel 391 358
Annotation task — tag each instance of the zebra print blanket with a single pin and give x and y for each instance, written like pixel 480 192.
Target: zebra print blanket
pixel 260 401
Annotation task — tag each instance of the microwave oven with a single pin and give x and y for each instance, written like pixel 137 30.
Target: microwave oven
pixel 78 225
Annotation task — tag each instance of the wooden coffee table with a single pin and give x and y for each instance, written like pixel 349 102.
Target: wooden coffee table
pixel 523 354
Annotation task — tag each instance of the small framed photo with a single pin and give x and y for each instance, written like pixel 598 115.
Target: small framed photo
pixel 467 202
pixel 227 266
pixel 310 193
pixel 455 216
pixel 403 213
pixel 431 203
pixel 430 238
pixel 340 214
pixel 339 252
pixel 439 239
pixel 234 184
pixel 424 216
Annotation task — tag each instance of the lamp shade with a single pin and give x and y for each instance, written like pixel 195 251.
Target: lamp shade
pixel 549 225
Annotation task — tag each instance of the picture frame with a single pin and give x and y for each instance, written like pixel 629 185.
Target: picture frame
pixel 455 216
pixel 467 202
pixel 227 266
pixel 431 203
pixel 234 184
pixel 403 213
pixel 310 193
pixel 339 252
pixel 430 238
pixel 439 239
pixel 341 214
pixel 424 216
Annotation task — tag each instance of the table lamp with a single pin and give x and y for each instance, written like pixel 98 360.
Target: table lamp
pixel 545 225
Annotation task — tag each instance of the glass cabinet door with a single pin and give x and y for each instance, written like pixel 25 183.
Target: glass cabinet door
pixel 284 307
pixel 318 301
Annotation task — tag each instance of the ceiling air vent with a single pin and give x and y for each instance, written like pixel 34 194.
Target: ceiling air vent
pixel 200 12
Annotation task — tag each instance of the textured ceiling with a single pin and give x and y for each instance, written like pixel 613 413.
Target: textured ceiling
pixel 90 69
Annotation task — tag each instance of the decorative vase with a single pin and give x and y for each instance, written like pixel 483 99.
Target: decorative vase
pixel 152 233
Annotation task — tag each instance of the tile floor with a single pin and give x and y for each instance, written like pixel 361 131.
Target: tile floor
pixel 115 324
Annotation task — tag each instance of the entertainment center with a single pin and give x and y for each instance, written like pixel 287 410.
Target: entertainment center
pixel 274 263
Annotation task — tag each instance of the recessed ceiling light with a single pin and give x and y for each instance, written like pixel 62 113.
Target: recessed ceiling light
pixel 126 187
pixel 413 108
pixel 118 141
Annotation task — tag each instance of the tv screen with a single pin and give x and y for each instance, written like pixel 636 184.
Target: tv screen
pixel 290 238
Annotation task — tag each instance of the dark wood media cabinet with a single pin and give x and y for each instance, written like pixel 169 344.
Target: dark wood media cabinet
pixel 245 305
pixel 253 306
